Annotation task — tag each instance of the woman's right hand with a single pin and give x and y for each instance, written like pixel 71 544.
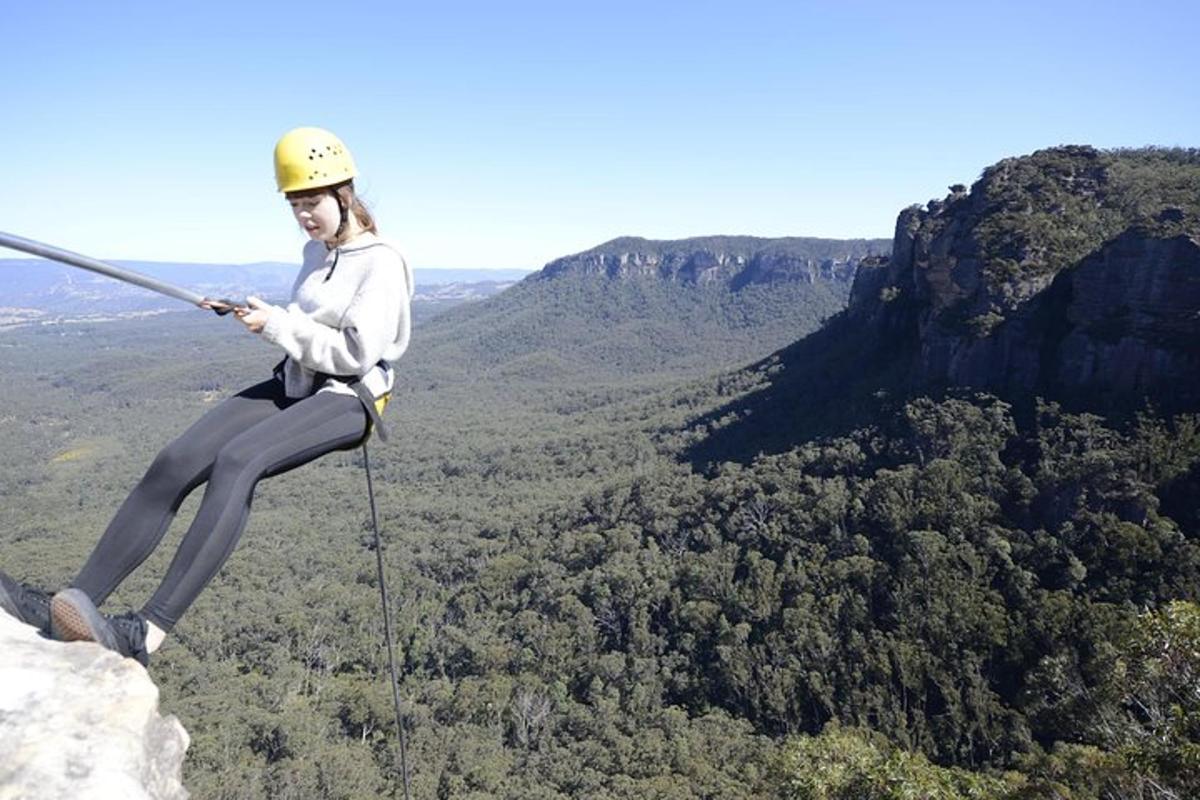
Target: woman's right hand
pixel 222 307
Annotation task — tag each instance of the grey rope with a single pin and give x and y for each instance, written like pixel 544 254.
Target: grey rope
pixel 387 626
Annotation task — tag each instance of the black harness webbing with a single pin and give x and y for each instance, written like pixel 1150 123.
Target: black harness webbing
pixel 369 403
pixel 364 397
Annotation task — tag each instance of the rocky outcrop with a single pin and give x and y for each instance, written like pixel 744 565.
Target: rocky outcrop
pixel 732 261
pixel 1071 274
pixel 79 722
pixel 1046 277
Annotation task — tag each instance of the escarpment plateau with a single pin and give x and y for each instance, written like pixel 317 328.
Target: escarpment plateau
pixel 732 261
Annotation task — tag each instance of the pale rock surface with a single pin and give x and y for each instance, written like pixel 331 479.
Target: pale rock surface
pixel 80 722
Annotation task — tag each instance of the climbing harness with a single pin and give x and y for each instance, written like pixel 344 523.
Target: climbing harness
pixel 104 268
pixel 374 406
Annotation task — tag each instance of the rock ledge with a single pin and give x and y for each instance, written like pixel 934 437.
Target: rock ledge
pixel 79 722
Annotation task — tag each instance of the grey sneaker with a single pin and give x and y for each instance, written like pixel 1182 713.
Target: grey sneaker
pixel 75 618
pixel 30 605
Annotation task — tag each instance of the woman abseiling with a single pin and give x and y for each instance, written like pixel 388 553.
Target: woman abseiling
pixel 347 321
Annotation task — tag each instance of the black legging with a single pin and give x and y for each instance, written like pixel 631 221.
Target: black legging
pixel 255 434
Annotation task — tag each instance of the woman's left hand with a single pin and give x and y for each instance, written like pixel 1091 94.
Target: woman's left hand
pixel 255 315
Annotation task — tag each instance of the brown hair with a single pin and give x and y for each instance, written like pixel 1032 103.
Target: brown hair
pixel 351 203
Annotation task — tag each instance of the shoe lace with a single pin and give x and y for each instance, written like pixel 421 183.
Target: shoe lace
pixel 35 606
pixel 132 628
pixel 38 597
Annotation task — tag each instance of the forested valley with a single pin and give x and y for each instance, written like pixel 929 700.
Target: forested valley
pixel 648 538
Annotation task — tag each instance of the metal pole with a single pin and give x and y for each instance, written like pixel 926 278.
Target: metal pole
pixel 387 626
pixel 83 262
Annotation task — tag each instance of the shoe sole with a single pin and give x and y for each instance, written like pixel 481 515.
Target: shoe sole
pixel 74 618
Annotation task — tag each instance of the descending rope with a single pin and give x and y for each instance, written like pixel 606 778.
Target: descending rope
pixel 387 627
pixel 222 307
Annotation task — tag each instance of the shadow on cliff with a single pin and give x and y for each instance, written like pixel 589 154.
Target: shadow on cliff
pixel 826 384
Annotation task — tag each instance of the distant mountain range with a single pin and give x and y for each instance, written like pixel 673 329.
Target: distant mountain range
pixel 634 306
pixel 732 261
pixel 32 289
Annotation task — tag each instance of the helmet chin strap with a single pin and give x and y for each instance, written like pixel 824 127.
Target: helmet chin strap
pixel 345 211
pixel 337 237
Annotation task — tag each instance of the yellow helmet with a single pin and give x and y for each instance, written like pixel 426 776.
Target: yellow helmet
pixel 311 158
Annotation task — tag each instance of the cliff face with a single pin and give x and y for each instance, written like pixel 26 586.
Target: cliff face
pixel 1131 318
pixel 732 261
pixel 78 721
pixel 1056 274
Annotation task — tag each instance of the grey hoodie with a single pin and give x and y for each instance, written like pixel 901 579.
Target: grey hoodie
pixel 349 312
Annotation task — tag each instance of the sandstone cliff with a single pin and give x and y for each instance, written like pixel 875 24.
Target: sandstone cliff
pixel 1067 272
pixel 79 722
pixel 733 261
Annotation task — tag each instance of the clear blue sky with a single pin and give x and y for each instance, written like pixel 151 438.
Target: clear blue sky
pixel 505 134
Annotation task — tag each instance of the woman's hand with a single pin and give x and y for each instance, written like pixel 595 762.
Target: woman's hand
pixel 254 315
pixel 222 307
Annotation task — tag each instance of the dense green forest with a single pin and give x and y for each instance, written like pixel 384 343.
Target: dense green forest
pixel 960 596
pixel 1044 212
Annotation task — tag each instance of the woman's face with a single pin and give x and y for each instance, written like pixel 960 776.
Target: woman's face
pixel 317 214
